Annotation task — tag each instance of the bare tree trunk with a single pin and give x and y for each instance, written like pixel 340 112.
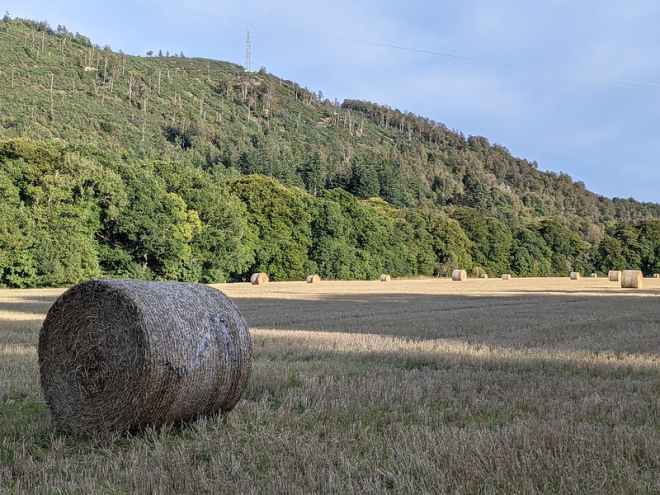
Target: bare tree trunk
pixel 51 96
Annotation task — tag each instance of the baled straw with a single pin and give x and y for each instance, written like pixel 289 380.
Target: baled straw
pixel 656 275
pixel 121 355
pixel 575 276
pixel 506 276
pixel 632 279
pixel 313 279
pixel 259 278
pixel 484 275
pixel 459 275
pixel 614 275
pixel 594 275
pixel 385 278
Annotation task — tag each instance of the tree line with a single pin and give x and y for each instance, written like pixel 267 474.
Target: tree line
pixel 72 212
pixel 216 116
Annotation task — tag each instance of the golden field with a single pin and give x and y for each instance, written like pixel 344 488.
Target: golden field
pixel 411 386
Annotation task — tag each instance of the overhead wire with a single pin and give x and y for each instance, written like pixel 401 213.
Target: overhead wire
pixel 500 65
pixel 625 83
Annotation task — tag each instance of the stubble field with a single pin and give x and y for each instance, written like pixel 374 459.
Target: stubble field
pixel 411 386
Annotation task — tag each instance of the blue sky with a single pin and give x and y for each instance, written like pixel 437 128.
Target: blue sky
pixel 574 86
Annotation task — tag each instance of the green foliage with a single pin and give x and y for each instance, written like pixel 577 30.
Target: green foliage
pixel 49 217
pixel 130 167
pixel 72 213
pixel 649 242
pixel 609 255
pixel 530 256
pixel 363 179
pixel 568 248
pixel 333 247
pixel 281 223
pixel 491 240
pixel 630 246
pixel 449 242
pixel 222 244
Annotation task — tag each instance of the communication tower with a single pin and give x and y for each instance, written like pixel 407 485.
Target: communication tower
pixel 248 53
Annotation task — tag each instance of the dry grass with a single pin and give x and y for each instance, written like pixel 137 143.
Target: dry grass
pixel 535 386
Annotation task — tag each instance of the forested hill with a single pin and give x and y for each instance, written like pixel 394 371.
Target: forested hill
pixel 59 85
pixel 117 149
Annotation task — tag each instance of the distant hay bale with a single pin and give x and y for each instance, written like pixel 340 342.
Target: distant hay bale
pixel 484 275
pixel 506 276
pixel 594 275
pixel 120 355
pixel 259 279
pixel 656 275
pixel 574 275
pixel 632 279
pixel 313 279
pixel 614 275
pixel 459 275
pixel 385 278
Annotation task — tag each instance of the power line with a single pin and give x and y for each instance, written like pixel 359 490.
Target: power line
pixel 626 83
pixel 539 71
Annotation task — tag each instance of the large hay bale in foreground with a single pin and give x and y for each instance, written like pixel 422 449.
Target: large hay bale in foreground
pixel 632 279
pixel 259 279
pixel 459 275
pixel 506 276
pixel 313 279
pixel 614 275
pixel 385 278
pixel 574 276
pixel 121 355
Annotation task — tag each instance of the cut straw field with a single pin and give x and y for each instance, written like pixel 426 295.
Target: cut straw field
pixel 411 386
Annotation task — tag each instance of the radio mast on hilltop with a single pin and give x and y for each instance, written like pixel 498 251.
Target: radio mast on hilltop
pixel 248 53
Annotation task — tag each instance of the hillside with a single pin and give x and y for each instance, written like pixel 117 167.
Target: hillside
pixel 59 85
pixel 175 136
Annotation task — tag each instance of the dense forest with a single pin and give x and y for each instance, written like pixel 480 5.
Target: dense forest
pixel 167 167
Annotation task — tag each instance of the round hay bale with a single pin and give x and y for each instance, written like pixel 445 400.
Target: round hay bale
pixel 459 275
pixel 121 355
pixel 385 278
pixel 259 279
pixel 506 276
pixel 656 275
pixel 574 275
pixel 313 279
pixel 594 275
pixel 484 275
pixel 632 279
pixel 614 275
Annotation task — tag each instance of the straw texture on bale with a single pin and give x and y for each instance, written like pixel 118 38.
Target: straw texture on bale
pixel 259 278
pixel 120 355
pixel 385 278
pixel 632 279
pixel 575 276
pixel 614 275
pixel 506 276
pixel 313 279
pixel 459 275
